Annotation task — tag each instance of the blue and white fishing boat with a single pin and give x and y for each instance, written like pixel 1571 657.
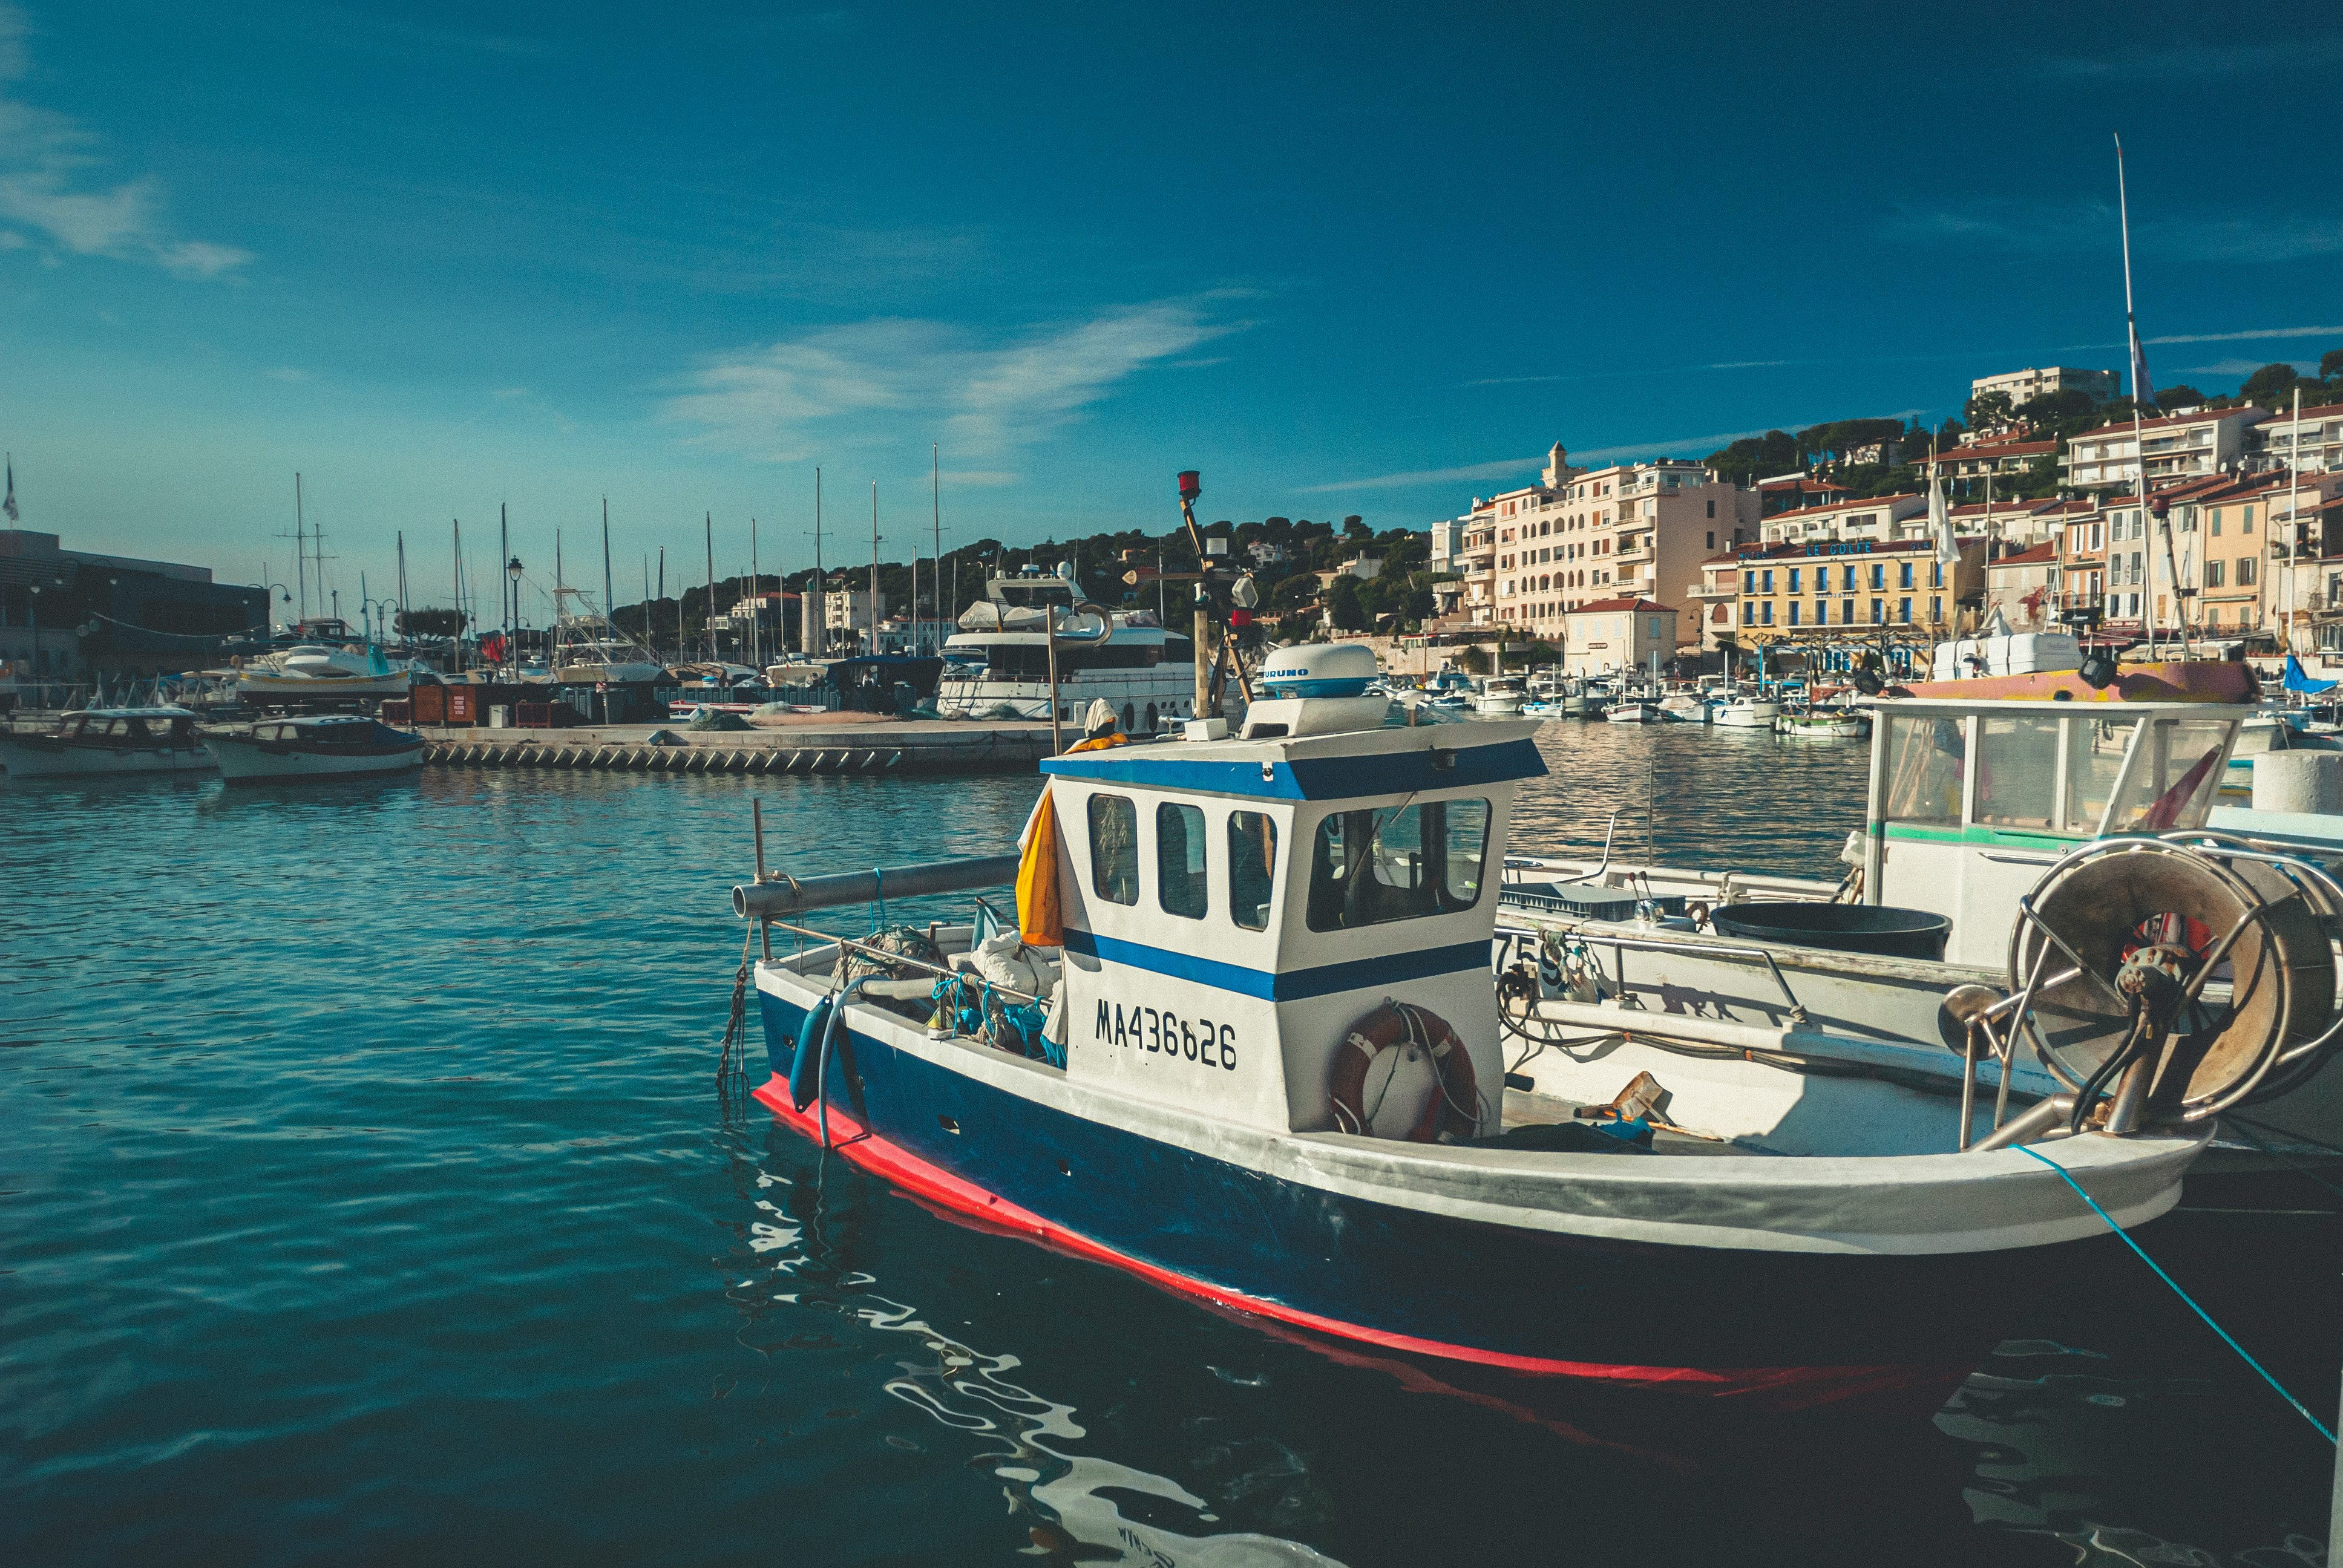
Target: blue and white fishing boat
pixel 1246 1045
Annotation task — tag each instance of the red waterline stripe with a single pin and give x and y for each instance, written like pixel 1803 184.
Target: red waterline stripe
pixel 1801 1385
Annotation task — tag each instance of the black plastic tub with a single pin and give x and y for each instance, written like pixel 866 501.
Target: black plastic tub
pixel 1844 927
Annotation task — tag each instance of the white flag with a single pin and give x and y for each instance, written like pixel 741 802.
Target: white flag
pixel 1940 523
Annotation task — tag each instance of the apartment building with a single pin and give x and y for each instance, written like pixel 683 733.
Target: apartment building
pixel 2272 444
pixel 1881 519
pixel 1827 590
pixel 2196 445
pixel 2082 541
pixel 2023 386
pixel 1531 555
pixel 1975 461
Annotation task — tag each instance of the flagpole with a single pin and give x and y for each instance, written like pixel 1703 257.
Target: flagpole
pixel 2140 392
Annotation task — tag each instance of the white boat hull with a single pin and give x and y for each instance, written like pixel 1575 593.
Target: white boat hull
pixel 1633 713
pixel 1747 716
pixel 247 762
pixel 27 758
pixel 269 686
pixel 1170 693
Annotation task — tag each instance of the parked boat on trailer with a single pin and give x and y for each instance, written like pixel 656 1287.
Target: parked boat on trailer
pixel 105 742
pixel 1255 1056
pixel 295 750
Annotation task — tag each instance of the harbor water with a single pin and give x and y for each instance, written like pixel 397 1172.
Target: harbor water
pixel 369 1197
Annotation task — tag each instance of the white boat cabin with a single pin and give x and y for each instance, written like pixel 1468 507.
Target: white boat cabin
pixel 1971 802
pixel 1233 907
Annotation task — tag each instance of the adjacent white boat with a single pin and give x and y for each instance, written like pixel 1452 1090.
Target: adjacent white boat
pixel 1746 712
pixel 2002 836
pixel 1684 708
pixel 996 666
pixel 1501 695
pixel 103 742
pixel 1632 713
pixel 290 751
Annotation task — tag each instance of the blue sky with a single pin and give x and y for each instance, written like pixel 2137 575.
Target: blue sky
pixel 439 258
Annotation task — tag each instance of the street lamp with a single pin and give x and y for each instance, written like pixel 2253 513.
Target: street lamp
pixel 512 607
pixel 374 608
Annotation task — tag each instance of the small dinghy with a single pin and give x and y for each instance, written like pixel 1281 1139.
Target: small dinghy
pixel 105 742
pixel 1245 1043
pixel 292 751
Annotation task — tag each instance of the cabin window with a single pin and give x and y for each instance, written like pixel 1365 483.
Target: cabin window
pixel 1180 860
pixel 1114 848
pixel 2017 770
pixel 1929 758
pixel 1370 867
pixel 2171 783
pixel 2095 759
pixel 1252 868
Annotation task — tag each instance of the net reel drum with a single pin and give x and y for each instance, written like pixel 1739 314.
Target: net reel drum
pixel 2183 976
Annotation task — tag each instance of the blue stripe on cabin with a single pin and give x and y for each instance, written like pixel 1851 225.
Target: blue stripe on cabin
pixel 1308 778
pixel 1289 985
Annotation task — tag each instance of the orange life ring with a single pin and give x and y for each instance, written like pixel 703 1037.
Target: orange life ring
pixel 1398 1023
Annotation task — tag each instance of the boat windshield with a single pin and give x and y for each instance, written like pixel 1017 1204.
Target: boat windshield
pixel 1370 867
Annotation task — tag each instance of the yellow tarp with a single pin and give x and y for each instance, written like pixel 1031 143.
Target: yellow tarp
pixel 1038 921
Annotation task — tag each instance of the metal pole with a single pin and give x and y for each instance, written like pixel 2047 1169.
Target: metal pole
pixel 609 594
pixel 821 646
pixel 663 594
pixel 874 568
pixel 458 637
pixel 756 603
pixel 708 522
pixel 1057 740
pixel 935 496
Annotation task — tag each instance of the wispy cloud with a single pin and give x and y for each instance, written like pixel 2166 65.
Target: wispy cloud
pixel 853 385
pixel 390 34
pixel 2244 367
pixel 2015 227
pixel 1522 468
pixel 2196 61
pixel 51 184
pixel 1518 380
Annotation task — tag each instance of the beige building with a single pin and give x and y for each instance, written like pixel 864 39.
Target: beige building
pixel 2199 445
pixel 2272 444
pixel 2023 386
pixel 1606 636
pixel 2023 588
pixel 1625 531
pixel 1881 519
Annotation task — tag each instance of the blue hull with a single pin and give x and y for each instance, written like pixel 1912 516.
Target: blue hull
pixel 1789 1329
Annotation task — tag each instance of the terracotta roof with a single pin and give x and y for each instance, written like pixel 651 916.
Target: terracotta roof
pixel 2033 556
pixel 1633 604
pixel 1996 449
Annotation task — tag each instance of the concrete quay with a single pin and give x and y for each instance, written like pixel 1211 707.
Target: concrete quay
pixel 836 743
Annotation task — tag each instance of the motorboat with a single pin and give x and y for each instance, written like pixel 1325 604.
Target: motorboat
pixel 103 742
pixel 1745 711
pixel 1499 695
pixel 998 664
pixel 1822 724
pixel 2023 856
pixel 1244 1043
pixel 294 750
pixel 325 663
pixel 1633 711
pixel 1685 707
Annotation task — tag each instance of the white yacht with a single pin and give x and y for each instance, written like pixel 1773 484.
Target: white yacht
pixel 329 663
pixel 1501 696
pixel 996 666
pixel 1747 711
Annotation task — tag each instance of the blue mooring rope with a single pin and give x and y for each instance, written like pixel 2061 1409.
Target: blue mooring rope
pixel 2317 1425
pixel 878 901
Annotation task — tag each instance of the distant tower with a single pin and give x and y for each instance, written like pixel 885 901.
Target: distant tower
pixel 1558 469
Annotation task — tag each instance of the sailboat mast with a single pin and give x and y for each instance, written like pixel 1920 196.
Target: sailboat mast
pixel 678 611
pixel 458 637
pixel 300 550
pixel 874 568
pixel 608 595
pixel 817 641
pixel 510 589
pixel 2139 390
pixel 402 582
pixel 936 499
pixel 756 603
pixel 708 521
